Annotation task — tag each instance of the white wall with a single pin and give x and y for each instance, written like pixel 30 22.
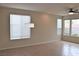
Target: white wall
pixel 44 31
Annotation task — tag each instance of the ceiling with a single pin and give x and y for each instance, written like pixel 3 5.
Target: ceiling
pixel 52 8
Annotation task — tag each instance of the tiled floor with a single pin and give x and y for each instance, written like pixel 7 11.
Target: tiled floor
pixel 57 48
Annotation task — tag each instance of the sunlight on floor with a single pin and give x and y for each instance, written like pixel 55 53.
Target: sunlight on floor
pixel 70 50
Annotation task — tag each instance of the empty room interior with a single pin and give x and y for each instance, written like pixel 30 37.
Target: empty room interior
pixel 42 29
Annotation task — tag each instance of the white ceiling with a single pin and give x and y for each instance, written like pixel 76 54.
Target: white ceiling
pixel 52 8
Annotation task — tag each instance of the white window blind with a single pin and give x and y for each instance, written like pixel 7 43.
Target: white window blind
pixel 19 26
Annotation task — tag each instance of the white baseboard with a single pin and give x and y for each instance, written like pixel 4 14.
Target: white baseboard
pixel 29 45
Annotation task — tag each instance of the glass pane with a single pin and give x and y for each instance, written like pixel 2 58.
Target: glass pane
pixel 75 28
pixel 66 27
pixel 15 26
pixel 59 26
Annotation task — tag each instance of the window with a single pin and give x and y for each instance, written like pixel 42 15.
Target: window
pixel 71 27
pixel 59 26
pixel 75 28
pixel 20 26
pixel 66 27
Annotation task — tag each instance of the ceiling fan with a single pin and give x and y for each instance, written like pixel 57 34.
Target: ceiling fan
pixel 73 11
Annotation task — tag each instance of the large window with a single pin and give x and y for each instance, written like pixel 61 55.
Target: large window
pixel 75 27
pixel 19 26
pixel 71 27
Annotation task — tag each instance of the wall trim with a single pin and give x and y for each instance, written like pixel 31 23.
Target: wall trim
pixel 29 45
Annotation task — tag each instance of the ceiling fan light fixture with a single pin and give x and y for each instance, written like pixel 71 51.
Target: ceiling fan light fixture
pixel 70 13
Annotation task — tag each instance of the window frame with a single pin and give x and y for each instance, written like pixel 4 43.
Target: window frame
pixel 10 26
pixel 70 30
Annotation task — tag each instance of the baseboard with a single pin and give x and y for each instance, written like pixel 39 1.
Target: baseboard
pixel 29 45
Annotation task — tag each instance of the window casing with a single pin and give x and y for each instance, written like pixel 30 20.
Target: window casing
pixel 20 26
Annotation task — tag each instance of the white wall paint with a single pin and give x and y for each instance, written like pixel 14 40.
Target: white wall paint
pixel 44 31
